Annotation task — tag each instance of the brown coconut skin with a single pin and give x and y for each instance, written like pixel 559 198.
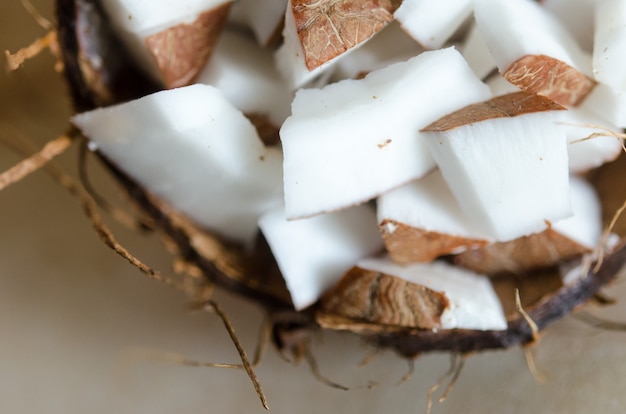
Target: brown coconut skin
pixel 255 276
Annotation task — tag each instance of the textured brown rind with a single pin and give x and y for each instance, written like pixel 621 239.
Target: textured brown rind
pixel 180 52
pixel 407 244
pixel 229 267
pixel 379 298
pixel 521 256
pixel 547 76
pixel 504 106
pixel 328 28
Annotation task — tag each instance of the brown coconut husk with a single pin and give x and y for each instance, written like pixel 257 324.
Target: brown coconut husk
pixel 544 299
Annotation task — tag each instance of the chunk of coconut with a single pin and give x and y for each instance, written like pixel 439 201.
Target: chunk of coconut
pixel 574 15
pixel 534 51
pixel 579 124
pixel 192 148
pixel 390 45
pixel 432 23
pixel 375 297
pixel 608 103
pixel 592 141
pixel 314 253
pixel 505 161
pixel 566 239
pixel 245 73
pixel 265 18
pixel 609 43
pixel 353 140
pixel 171 41
pixel 421 221
pixel 477 54
pixel 318 32
pixel 473 303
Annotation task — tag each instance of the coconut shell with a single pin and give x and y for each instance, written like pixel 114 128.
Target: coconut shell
pixel 255 275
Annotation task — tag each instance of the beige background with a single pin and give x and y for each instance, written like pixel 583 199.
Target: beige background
pixel 71 314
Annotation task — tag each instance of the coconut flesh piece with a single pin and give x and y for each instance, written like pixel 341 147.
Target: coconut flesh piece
pixel 585 151
pixel 608 103
pixel 609 49
pixel 566 239
pixel 477 54
pixel 579 123
pixel 421 221
pixel 432 23
pixel 390 45
pixel 574 15
pixel 193 149
pixel 505 161
pixel 318 33
pixel 470 300
pixel 171 41
pixel 264 18
pixel 374 297
pixel 245 73
pixel 534 51
pixel 314 253
pixel 353 140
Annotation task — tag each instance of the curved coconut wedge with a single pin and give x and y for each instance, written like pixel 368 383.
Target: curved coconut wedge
pixel 609 46
pixel 245 73
pixel 192 148
pixel 421 221
pixel 429 296
pixel 565 240
pixel 432 23
pixel 534 51
pixel 318 32
pixel 592 138
pixel 505 161
pixel 313 253
pixel 355 139
pixel 170 40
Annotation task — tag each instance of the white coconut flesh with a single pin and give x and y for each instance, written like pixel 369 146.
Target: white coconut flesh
pixel 584 226
pixel 431 23
pixel 574 15
pixel 246 74
pixel 140 21
pixel 354 140
pixel 609 48
pixel 477 54
pixel 196 151
pixel 314 253
pixel 509 173
pixel 530 58
pixel 425 206
pixel 264 18
pixel 473 302
pixel 317 34
pixel 390 45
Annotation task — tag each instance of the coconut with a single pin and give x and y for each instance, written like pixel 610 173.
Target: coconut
pixel 171 41
pixel 546 60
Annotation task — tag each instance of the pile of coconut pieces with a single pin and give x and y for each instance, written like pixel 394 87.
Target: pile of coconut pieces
pixel 424 146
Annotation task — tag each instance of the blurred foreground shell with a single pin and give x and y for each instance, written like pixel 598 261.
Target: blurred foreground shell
pixel 99 74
